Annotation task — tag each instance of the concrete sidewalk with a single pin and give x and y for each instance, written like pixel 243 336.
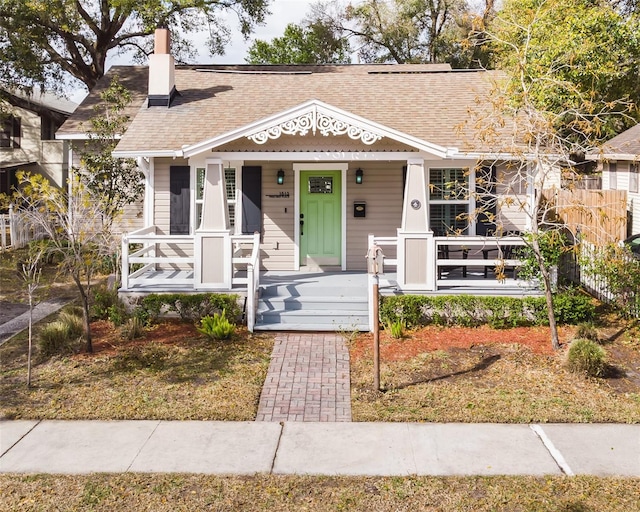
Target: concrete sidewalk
pixel 385 449
pixel 9 329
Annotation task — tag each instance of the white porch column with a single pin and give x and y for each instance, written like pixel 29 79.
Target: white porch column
pixel 212 258
pixel 416 247
pixel 147 169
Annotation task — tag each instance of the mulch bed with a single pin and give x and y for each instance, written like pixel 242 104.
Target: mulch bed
pixel 427 339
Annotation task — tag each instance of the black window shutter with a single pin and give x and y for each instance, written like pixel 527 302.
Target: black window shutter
pixel 180 200
pixel 404 179
pixel 251 199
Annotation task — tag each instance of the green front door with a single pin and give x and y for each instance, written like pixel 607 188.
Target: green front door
pixel 320 218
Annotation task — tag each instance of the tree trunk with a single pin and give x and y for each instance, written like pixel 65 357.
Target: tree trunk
pixel 548 293
pixel 30 340
pixel 84 296
pixel 553 326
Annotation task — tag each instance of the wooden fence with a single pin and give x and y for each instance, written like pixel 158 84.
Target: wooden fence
pixel 16 231
pixel 600 216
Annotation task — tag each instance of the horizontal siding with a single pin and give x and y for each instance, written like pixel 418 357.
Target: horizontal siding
pixel 277 224
pixel 381 190
pixel 510 215
pixel 161 195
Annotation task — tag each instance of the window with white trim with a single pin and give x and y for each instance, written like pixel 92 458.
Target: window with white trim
pixel 613 175
pixel 449 201
pixel 633 178
pixel 200 175
pixel 231 191
pixel 232 195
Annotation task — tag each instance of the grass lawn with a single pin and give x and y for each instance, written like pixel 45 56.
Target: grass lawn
pixel 172 373
pixel 487 375
pixel 167 492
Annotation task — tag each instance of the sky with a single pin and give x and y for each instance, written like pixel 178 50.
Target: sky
pixel 283 12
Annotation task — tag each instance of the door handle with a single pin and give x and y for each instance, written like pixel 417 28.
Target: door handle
pixel 301 227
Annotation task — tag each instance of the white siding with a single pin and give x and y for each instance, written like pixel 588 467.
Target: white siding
pixel 633 198
pixel 277 217
pixel 381 189
pixel 512 200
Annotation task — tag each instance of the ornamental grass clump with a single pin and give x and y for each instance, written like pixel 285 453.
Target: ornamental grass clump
pixel 586 356
pixel 217 326
pixel 397 329
pixel 587 330
pixel 61 335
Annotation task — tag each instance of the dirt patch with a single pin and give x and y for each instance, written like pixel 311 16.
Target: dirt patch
pixel 107 339
pixel 624 362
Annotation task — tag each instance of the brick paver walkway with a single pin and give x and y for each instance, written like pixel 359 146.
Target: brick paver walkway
pixel 308 379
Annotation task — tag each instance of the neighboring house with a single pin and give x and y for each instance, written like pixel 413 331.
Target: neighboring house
pixel 288 169
pixel 620 160
pixel 28 124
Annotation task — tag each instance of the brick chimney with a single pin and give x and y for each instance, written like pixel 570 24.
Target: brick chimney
pixel 162 85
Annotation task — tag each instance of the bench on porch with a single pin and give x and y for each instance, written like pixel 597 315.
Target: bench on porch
pixel 475 251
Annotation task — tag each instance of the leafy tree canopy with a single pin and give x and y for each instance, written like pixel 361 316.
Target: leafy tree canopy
pixel 313 43
pixel 44 41
pixel 409 31
pixel 114 182
pixel 576 59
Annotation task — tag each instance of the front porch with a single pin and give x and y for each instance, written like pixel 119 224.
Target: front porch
pixel 304 300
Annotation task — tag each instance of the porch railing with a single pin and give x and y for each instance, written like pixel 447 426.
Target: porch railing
pixel 253 282
pixel 462 252
pixel 146 256
pixel 155 250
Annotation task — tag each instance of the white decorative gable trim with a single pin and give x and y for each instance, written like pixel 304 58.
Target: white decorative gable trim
pixel 318 118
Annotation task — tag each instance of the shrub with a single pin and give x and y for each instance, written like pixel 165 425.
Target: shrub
pixel 190 307
pixel 586 356
pixel 587 331
pixel 573 307
pixel 53 339
pixel 107 305
pixel 103 300
pixel 469 311
pixel 217 326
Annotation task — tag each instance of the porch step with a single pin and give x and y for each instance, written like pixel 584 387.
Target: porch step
pixel 299 306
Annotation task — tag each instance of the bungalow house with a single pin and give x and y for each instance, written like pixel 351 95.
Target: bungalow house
pixel 268 179
pixel 27 137
pixel 620 160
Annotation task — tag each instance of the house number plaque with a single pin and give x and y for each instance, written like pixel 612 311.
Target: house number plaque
pixel 415 204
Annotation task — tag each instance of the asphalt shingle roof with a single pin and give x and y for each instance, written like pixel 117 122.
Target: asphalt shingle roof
pixel 627 143
pixel 430 102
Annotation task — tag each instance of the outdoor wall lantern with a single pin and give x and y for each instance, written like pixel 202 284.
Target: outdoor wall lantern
pixel 359 174
pixel 280 179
